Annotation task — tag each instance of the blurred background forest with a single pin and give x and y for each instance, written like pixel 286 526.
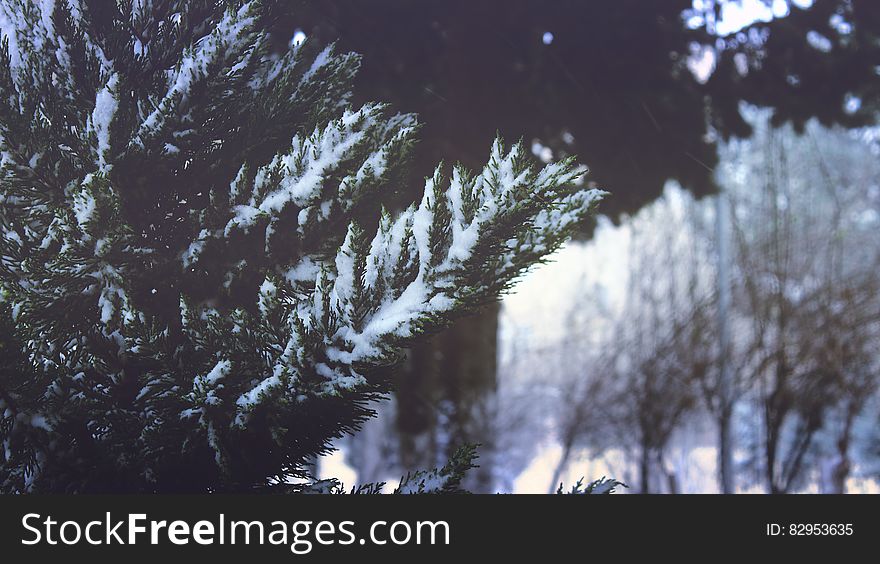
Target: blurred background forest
pixel 717 329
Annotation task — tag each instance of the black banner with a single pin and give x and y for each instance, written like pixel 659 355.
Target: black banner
pixel 302 527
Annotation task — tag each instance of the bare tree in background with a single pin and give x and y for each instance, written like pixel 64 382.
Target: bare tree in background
pixel 804 326
pixel 848 323
pixel 803 289
pixel 638 387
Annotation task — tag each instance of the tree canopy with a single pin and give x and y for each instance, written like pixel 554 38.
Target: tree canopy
pixel 604 78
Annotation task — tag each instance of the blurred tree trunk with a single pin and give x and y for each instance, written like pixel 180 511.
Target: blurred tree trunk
pixel 445 397
pixel 837 469
pixel 645 469
pixel 725 375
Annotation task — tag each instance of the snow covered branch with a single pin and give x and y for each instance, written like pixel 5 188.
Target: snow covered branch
pixel 190 262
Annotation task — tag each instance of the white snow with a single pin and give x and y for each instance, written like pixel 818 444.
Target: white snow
pixel 305 271
pixel 320 61
pixel 244 218
pixel 194 250
pixel 251 398
pixel 392 318
pixel 46 9
pixel 39 422
pixel 236 185
pixel 220 371
pixel 84 207
pixel 421 225
pixel 10 24
pixel 106 105
pixel 343 286
pixel 268 291
pixel 229 39
pixel 105 302
pixel 12 235
pixel 322 151
pixel 425 296
pixel 375 165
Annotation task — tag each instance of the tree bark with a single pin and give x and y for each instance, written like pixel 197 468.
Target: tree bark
pixel 645 470
pixel 725 451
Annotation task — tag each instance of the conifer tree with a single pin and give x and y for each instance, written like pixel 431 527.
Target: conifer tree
pixel 199 283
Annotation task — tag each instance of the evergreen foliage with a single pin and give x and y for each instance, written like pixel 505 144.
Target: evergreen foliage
pixel 446 479
pixel 596 487
pixel 198 283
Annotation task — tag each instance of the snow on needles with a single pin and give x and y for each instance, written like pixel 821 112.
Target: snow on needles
pixel 106 105
pixel 229 38
pixel 222 188
pixel 419 268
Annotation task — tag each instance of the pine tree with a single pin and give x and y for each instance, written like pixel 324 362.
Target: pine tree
pixel 199 282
